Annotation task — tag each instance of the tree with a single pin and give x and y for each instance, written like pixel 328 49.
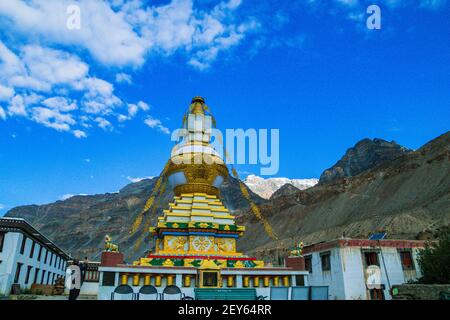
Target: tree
pixel 434 260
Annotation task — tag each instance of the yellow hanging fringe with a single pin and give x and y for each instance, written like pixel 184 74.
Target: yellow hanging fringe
pixel 156 190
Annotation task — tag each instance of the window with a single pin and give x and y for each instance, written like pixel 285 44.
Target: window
pixel 27 278
pixel 46 256
pixel 22 247
pixel 108 279
pixel 2 240
pixel 53 279
pixel 376 294
pixel 325 260
pixel 56 261
pixel 51 259
pixel 43 276
pixel 36 274
pixel 18 269
pixel 371 258
pixel 33 244
pixel 407 260
pixel 308 264
pixel 210 279
pixel 40 253
pixel 48 277
pixel 299 280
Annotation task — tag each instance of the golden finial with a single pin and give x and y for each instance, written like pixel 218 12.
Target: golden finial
pixel 197 105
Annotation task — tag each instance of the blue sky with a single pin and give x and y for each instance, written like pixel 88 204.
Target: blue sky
pixel 86 111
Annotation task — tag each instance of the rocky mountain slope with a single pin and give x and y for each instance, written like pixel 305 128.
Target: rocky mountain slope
pixel 80 223
pixel 407 197
pixel 266 187
pixel 364 155
pixel 285 190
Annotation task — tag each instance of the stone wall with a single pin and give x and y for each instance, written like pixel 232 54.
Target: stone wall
pixel 420 291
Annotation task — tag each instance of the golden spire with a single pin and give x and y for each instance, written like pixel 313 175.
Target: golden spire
pixel 197 105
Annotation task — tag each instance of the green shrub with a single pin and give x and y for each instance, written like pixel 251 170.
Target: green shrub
pixel 434 260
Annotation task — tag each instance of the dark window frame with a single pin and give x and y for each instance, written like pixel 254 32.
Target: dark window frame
pixel 2 240
pixel 403 253
pixel 43 276
pixel 18 271
pixel 40 252
pixel 33 245
pixel 300 280
pixel 368 257
pixel 377 294
pixel 308 263
pixel 325 261
pixel 36 275
pixel 109 279
pixel 22 246
pixel 27 277
pixel 210 279
pixel 46 256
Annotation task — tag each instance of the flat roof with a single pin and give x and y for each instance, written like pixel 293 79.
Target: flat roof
pixel 363 243
pixel 21 225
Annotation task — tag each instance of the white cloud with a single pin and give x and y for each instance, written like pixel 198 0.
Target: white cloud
pixel 104 32
pixel 43 78
pixel 125 33
pixel 53 66
pixel 6 93
pixel 17 107
pixel 52 118
pixel 79 134
pixel 69 195
pixel 134 108
pixel 156 124
pixel 103 123
pixel 2 113
pixel 122 118
pixel 60 103
pixel 123 78
pixel 134 180
pixel 99 97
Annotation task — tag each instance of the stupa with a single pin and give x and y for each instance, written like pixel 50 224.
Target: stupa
pixel 197 227
pixel 195 239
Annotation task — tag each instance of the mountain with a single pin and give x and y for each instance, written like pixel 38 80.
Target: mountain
pixel 284 191
pixel 79 224
pixel 364 155
pixel 407 197
pixel 266 187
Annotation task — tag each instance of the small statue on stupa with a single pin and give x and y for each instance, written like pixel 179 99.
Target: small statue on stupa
pixel 109 246
pixel 298 250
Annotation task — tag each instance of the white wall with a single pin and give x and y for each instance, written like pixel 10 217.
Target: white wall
pixel 333 278
pixel 11 255
pixel 353 275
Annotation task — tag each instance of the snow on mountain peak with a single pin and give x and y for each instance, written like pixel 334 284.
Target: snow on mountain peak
pixel 266 187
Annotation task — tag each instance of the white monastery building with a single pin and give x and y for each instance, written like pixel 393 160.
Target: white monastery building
pixel 27 257
pixel 341 265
